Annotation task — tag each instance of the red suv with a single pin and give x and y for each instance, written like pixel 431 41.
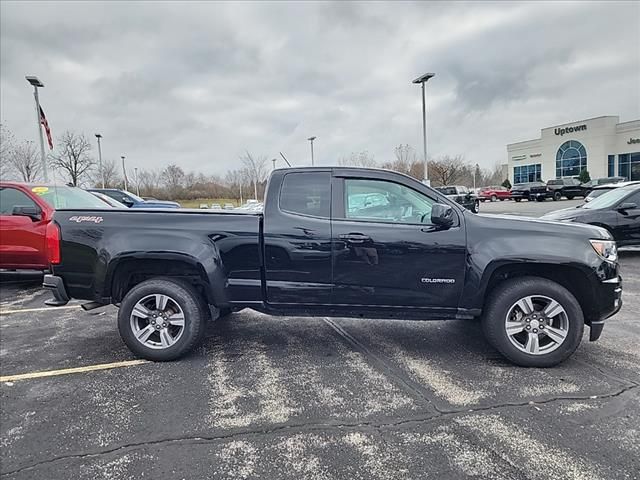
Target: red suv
pixel 26 229
pixel 494 193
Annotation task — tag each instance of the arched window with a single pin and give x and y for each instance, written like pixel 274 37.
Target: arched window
pixel 571 159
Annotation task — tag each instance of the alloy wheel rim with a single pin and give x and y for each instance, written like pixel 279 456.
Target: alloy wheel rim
pixel 537 324
pixel 157 321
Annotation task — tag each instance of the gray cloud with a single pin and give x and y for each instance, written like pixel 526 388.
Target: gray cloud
pixel 198 83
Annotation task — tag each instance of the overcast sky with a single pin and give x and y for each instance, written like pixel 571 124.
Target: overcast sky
pixel 197 84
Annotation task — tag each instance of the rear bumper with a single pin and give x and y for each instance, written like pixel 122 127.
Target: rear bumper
pixel 56 286
pixel 609 302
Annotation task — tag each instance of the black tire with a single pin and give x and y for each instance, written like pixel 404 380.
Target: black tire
pixel 556 196
pixel 494 198
pixel 540 199
pixel 502 199
pixel 505 295
pixel 570 197
pixel 476 207
pixel 193 308
pixel 518 199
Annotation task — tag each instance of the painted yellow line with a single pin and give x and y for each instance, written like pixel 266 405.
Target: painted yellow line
pixel 51 309
pixel 67 371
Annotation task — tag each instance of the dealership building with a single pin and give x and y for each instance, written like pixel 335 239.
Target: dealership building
pixel 603 146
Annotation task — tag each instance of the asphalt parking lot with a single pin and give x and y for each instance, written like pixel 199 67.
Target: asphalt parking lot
pixel 318 398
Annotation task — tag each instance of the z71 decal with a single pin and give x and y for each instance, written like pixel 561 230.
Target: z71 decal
pixel 80 219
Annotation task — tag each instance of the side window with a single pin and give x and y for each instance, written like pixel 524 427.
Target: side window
pixel 11 197
pixel 635 198
pixel 381 201
pixel 307 194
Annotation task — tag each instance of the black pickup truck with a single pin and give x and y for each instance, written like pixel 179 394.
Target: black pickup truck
pixel 344 242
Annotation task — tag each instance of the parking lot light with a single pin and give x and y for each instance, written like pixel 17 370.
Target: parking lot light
pixel 422 80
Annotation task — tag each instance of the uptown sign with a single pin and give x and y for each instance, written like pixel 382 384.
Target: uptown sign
pixel 577 128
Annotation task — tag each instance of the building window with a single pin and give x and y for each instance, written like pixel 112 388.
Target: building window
pixel 629 165
pixel 611 165
pixel 527 173
pixel 571 159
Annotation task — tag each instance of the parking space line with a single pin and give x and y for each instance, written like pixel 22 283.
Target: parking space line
pixel 67 371
pixel 42 309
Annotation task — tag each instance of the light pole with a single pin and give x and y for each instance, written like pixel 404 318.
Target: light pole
pixel 422 80
pixel 98 136
pixel 311 139
pixel 124 171
pixel 474 176
pixel 37 83
pixel 135 173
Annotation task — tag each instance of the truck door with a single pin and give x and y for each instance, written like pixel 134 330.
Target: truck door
pixel 297 238
pixel 21 237
pixel 385 250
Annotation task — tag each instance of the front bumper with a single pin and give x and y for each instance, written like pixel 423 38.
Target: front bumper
pixel 56 286
pixel 609 301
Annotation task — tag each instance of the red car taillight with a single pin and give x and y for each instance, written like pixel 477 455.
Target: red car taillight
pixel 52 243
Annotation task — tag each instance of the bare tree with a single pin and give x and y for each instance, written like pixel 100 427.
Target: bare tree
pixel 110 173
pixel 174 180
pixel 447 170
pixel 25 160
pixel 6 148
pixel 149 182
pixel 74 159
pixel 256 169
pixel 359 159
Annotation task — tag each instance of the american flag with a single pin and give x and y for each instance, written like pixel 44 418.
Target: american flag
pixel 45 124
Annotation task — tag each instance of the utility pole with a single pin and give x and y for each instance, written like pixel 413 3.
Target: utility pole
pixel 311 139
pixel 124 171
pixel 98 136
pixel 135 172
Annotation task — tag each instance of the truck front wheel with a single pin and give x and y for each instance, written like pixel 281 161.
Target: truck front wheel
pixel 162 320
pixel 532 321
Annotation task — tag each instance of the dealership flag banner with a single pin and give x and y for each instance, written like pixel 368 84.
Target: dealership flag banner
pixel 45 124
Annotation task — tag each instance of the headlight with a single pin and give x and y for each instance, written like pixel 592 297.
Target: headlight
pixel 606 249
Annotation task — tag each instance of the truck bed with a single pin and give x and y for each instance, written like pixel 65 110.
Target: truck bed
pixel 97 243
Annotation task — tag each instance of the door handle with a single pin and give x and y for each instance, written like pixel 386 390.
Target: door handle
pixel 355 237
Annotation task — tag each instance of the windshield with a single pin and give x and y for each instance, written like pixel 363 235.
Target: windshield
pixel 135 197
pixel 67 197
pixel 610 198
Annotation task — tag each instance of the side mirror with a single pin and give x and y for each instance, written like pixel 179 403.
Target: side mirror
pixel 33 212
pixel 627 206
pixel 441 215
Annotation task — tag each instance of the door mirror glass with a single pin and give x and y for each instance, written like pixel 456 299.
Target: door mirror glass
pixel 627 206
pixel 27 211
pixel 441 215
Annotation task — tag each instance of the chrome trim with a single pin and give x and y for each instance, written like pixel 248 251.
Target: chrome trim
pixel 612 280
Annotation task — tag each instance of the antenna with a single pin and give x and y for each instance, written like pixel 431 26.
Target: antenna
pixel 285 158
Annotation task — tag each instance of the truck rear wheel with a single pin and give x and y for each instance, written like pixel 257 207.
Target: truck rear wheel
pixel 533 322
pixel 162 320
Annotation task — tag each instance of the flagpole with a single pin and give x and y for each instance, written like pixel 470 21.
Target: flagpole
pixel 36 83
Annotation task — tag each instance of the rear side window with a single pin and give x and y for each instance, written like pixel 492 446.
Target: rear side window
pixel 307 194
pixel 10 198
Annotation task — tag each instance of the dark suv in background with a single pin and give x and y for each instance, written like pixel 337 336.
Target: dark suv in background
pixel 566 187
pixel 530 191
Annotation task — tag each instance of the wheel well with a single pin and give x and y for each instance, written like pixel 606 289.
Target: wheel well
pixel 129 273
pixel 570 278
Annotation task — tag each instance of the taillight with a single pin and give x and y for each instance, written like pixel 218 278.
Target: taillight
pixel 52 243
